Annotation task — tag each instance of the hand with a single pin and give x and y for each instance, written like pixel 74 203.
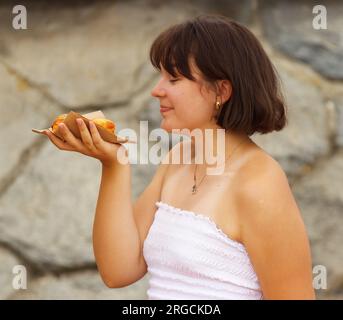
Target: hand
pixel 91 144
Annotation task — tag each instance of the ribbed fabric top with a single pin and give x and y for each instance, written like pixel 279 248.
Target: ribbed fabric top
pixel 190 257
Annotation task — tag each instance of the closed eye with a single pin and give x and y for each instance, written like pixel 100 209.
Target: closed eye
pixel 173 80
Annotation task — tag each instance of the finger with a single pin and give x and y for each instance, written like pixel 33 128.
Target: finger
pixel 85 135
pixel 69 137
pixel 59 143
pixel 97 140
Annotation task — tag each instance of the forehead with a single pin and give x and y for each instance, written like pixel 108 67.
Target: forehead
pixel 192 66
pixel 194 69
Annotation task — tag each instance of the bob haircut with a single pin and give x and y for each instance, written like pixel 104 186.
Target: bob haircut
pixel 223 49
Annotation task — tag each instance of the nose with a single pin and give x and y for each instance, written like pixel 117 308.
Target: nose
pixel 158 90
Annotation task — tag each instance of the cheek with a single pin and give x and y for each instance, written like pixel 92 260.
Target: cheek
pixel 197 109
pixel 193 115
pixel 190 109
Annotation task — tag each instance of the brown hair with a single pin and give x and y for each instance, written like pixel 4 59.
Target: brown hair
pixel 226 50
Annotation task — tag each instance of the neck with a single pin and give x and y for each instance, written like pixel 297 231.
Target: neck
pixel 213 146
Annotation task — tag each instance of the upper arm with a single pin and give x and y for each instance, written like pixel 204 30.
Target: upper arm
pixel 144 207
pixel 274 235
pixel 143 212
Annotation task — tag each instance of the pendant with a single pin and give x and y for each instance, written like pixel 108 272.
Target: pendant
pixel 194 189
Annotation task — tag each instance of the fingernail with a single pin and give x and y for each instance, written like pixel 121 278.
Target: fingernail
pixel 61 126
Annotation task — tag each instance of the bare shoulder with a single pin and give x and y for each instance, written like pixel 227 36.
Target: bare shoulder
pixel 262 177
pixel 273 231
pixel 264 189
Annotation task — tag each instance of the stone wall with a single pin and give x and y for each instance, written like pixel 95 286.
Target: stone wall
pixel 91 55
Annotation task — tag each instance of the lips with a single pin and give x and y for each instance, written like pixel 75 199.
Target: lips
pixel 165 109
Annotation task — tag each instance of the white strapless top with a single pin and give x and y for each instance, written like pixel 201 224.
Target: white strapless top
pixel 190 257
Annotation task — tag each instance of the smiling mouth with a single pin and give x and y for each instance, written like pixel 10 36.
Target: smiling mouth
pixel 165 109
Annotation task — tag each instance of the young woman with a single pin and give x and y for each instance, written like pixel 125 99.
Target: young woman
pixel 234 235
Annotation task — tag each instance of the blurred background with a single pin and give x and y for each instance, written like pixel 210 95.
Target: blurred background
pixel 93 55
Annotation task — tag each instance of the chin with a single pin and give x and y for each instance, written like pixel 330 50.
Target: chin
pixel 166 128
pixel 165 125
pixel 169 126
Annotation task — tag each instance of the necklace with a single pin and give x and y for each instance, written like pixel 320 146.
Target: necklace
pixel 195 186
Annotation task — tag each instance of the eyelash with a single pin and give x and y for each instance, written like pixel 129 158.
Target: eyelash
pixel 173 80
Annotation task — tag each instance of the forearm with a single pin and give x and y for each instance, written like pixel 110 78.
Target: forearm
pixel 116 240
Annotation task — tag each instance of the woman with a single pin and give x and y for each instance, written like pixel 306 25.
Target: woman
pixel 234 235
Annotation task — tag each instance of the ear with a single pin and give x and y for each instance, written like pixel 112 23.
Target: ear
pixel 225 90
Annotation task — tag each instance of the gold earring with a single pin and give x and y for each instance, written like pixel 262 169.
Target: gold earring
pixel 217 105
